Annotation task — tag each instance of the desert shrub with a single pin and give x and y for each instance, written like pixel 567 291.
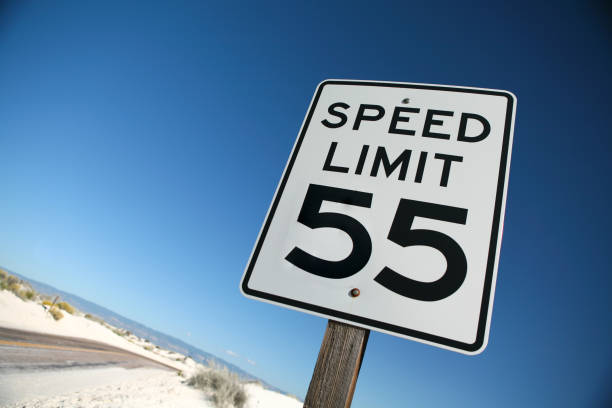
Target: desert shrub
pixel 57 315
pixel 13 286
pixel 3 274
pixel 66 307
pixel 18 290
pixel 94 318
pixel 12 280
pixel 223 387
pixel 148 348
pixel 47 302
pixel 29 294
pixel 119 332
pixel 20 294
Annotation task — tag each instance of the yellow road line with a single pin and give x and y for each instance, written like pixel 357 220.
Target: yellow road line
pixel 65 348
pixel 54 347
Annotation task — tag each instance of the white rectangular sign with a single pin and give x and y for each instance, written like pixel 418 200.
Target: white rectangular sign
pixel 390 210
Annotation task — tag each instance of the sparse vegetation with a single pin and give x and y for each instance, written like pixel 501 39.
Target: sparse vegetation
pixel 13 287
pixel 119 332
pixel 12 280
pixel 148 348
pixel 57 315
pixel 24 291
pixel 94 318
pixel 67 307
pixel 21 289
pixel 222 385
pixel 20 293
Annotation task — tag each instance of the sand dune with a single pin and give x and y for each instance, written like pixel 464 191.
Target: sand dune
pixel 106 387
pixel 101 387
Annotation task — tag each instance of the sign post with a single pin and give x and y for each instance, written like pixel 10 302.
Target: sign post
pixel 337 368
pixel 389 215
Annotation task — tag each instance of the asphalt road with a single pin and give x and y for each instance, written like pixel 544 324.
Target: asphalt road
pixel 26 351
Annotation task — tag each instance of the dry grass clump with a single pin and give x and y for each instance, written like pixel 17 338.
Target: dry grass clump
pixel 67 307
pixel 13 287
pixel 11 283
pixel 22 290
pixel 21 293
pixel 120 332
pixel 29 294
pixel 94 318
pixel 12 280
pixel 57 315
pixel 222 385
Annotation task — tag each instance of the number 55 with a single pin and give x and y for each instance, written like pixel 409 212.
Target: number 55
pixel 400 233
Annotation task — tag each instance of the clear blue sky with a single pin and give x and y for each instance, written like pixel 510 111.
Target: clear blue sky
pixel 142 142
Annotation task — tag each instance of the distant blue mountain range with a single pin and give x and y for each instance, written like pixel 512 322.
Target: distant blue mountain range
pixel 156 337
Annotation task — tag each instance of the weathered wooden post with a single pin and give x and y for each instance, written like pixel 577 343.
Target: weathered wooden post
pixel 335 374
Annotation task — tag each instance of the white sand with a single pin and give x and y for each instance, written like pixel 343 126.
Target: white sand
pixel 106 387
pixel 102 387
pixel 118 387
pixel 262 398
pixel 32 316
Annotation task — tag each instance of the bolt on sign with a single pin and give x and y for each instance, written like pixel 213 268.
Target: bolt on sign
pixel 390 211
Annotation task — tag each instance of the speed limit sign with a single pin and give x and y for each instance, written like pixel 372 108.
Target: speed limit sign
pixel 390 210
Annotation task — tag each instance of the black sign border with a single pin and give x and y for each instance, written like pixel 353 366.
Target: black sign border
pixel 484 309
